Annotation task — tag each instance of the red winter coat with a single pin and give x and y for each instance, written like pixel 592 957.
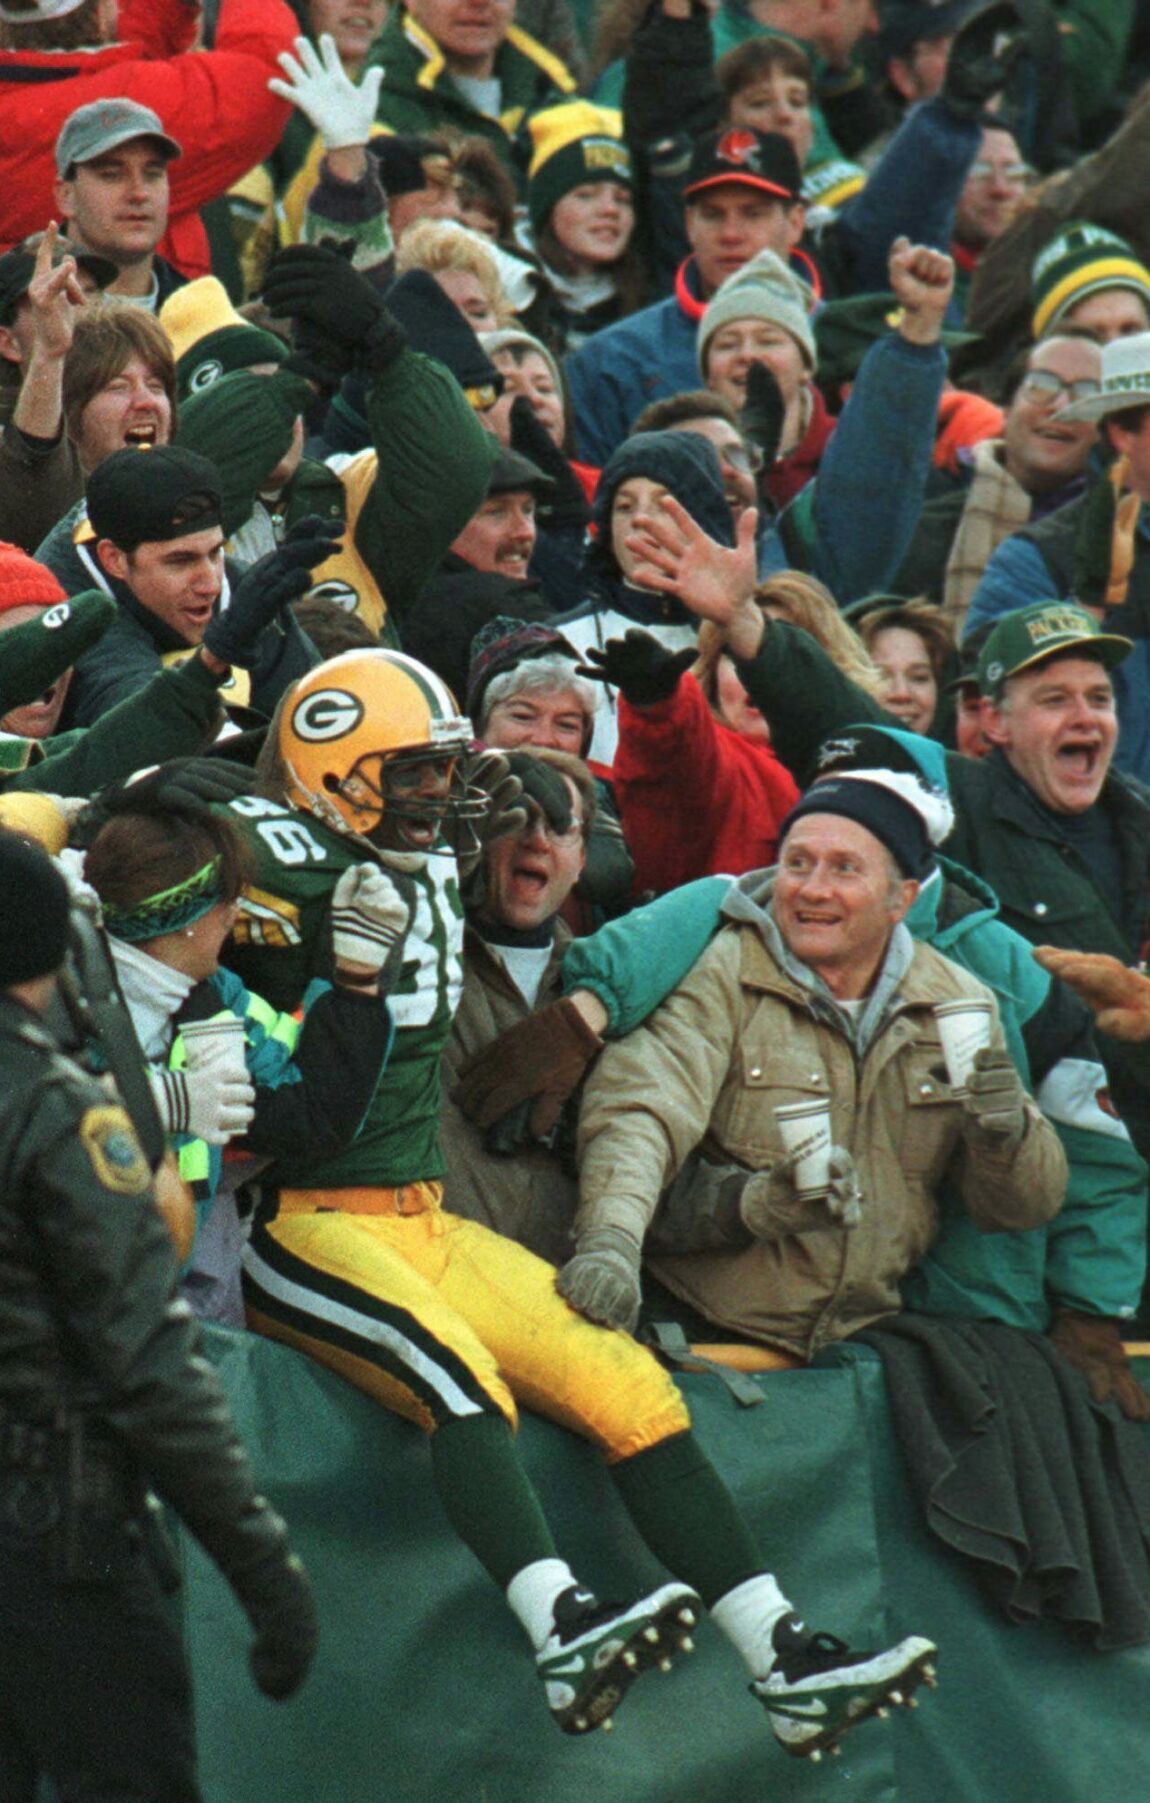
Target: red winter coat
pixel 215 103
pixel 795 470
pixel 696 799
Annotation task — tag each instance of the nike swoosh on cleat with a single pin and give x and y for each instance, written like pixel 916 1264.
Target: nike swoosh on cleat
pixel 789 1708
pixel 573 1668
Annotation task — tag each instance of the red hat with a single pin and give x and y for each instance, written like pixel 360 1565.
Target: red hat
pixel 24 582
pixel 758 159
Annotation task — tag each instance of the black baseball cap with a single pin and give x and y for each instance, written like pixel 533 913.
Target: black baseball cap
pixel 904 23
pixel 138 497
pixel 757 159
pixel 17 267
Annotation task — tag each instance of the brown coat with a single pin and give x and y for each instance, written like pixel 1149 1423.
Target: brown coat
pixel 529 1197
pixel 736 1039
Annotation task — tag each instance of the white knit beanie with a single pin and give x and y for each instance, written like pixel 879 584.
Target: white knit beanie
pixel 764 288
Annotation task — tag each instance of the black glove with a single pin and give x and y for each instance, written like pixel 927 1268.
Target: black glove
pixel 316 283
pixel 276 1597
pixel 268 588
pixel 763 412
pixel 564 504
pixel 195 783
pixel 317 356
pixel 488 774
pixel 638 666
pixel 983 53
pixel 544 792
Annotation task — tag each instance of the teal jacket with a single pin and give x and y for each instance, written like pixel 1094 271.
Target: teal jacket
pixel 1092 1256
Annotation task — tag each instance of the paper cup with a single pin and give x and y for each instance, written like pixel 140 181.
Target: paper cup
pixel 964 1028
pixel 805 1129
pixel 218 1043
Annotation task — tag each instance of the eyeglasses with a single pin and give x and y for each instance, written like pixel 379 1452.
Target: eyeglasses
pixel 1016 174
pixel 747 458
pixel 536 818
pixel 1043 385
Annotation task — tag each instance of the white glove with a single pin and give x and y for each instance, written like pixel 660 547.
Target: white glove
pixel 368 917
pixel 342 113
pixel 207 1103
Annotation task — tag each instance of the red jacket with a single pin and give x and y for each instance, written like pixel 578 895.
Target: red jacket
pixel 696 798
pixel 215 103
pixel 796 469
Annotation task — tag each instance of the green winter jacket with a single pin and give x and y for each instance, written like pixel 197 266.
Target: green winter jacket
pixel 172 716
pixel 420 95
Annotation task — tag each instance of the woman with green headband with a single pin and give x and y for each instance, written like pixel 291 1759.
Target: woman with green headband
pixel 169 876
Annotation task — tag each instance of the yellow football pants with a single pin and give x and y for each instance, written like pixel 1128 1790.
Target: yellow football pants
pixel 439 1317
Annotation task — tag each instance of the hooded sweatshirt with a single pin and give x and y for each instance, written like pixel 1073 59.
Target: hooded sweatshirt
pixel 688 467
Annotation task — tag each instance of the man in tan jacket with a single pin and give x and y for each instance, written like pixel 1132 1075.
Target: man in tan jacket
pixel 814 990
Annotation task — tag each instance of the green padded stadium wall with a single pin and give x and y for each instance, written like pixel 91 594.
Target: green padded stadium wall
pixel 424 1690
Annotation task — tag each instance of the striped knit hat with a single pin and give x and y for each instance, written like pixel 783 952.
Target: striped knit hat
pixel 1083 259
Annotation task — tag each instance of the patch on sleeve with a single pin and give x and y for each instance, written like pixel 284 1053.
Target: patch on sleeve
pixel 266 919
pixel 109 1139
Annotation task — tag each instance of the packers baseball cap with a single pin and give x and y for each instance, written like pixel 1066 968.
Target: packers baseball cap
pixel 139 497
pixel 103 125
pixel 1045 629
pixel 17 267
pixel 758 159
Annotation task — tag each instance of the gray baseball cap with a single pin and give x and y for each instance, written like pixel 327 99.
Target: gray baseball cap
pixel 92 130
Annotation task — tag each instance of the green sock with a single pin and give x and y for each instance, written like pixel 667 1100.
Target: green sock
pixel 688 1517
pixel 488 1497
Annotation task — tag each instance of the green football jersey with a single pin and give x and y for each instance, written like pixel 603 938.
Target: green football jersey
pixel 283 943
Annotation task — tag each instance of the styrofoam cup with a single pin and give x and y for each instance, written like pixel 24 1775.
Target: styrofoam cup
pixel 805 1130
pixel 216 1043
pixel 964 1028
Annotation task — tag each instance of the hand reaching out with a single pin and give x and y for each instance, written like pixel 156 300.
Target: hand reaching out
pixel 1118 997
pixel 676 557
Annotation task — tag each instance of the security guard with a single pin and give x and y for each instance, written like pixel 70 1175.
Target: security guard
pixel 101 1393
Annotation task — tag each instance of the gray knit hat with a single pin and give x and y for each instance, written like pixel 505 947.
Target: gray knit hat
pixel 513 338
pixel 764 288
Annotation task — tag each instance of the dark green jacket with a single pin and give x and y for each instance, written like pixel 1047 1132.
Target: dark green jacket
pixel 419 94
pixel 173 716
pixel 1044 888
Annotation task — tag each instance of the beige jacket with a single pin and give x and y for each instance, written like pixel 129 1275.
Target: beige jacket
pixel 735 1040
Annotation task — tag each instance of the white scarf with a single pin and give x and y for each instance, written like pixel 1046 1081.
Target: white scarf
pixel 153 993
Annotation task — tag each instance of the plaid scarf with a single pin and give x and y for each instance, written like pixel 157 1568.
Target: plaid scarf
pixel 996 506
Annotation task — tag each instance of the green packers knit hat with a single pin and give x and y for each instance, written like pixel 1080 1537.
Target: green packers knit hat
pixel 573 143
pixel 1082 259
pixel 1045 629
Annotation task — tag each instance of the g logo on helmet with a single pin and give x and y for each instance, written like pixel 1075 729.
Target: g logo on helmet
pixel 328 714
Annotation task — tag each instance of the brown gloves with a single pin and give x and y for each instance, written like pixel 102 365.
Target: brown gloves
pixel 528 1072
pixel 1093 1343
pixel 1118 997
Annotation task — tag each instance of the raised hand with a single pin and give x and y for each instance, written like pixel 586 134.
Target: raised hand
pixel 923 280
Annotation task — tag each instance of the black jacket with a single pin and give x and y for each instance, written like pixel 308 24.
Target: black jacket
pixel 93 1344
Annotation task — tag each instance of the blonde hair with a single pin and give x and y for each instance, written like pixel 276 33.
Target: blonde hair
pixel 439 244
pixel 805 602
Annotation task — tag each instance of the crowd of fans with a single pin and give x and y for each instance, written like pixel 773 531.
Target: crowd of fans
pixel 582 573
